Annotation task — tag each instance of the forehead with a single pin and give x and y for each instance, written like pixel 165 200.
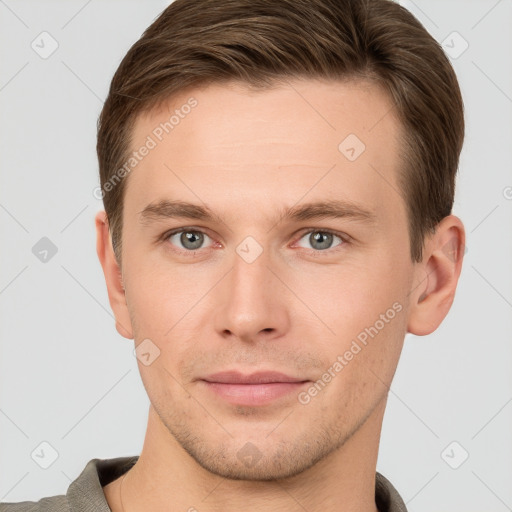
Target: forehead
pixel 305 137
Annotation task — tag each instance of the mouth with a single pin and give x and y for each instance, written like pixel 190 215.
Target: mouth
pixel 254 389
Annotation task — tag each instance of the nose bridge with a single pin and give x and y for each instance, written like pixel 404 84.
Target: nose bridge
pixel 250 275
pixel 253 301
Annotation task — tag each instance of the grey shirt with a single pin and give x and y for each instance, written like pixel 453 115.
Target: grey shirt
pixel 85 493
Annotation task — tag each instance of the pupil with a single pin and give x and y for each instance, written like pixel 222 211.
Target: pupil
pixel 319 236
pixel 188 237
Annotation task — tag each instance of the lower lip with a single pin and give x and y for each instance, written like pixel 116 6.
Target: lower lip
pixel 253 394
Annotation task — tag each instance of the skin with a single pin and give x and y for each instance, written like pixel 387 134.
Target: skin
pixel 294 309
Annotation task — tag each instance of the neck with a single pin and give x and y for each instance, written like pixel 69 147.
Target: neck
pixel 166 474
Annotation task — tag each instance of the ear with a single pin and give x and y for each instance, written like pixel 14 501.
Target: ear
pixel 437 274
pixel 113 276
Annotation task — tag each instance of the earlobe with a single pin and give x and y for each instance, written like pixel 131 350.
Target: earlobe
pixel 438 275
pixel 113 276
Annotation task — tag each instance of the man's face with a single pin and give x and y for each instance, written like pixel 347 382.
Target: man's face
pixel 258 291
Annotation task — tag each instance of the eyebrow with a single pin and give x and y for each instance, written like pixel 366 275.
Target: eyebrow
pixel 167 209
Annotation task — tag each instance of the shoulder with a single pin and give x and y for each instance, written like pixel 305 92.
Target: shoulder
pixel 387 497
pixel 85 493
pixel 48 504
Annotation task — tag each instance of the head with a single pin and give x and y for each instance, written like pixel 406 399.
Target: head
pixel 250 113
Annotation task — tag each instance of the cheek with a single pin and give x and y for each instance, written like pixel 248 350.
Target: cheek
pixel 362 358
pixel 162 297
pixel 353 295
pixel 364 308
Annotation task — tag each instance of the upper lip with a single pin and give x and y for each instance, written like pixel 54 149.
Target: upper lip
pixel 261 377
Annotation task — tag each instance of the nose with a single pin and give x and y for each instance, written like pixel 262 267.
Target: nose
pixel 253 301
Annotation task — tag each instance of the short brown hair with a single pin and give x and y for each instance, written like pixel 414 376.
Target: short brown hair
pixel 263 42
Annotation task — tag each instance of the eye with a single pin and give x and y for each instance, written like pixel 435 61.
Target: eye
pixel 321 240
pixel 190 239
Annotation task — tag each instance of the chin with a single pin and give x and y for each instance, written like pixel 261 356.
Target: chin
pixel 260 459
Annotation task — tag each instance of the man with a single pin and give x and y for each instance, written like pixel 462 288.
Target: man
pixel 278 179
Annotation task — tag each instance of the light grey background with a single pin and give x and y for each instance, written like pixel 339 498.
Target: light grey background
pixel 68 378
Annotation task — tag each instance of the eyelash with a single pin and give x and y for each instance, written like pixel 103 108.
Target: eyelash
pixel 344 238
